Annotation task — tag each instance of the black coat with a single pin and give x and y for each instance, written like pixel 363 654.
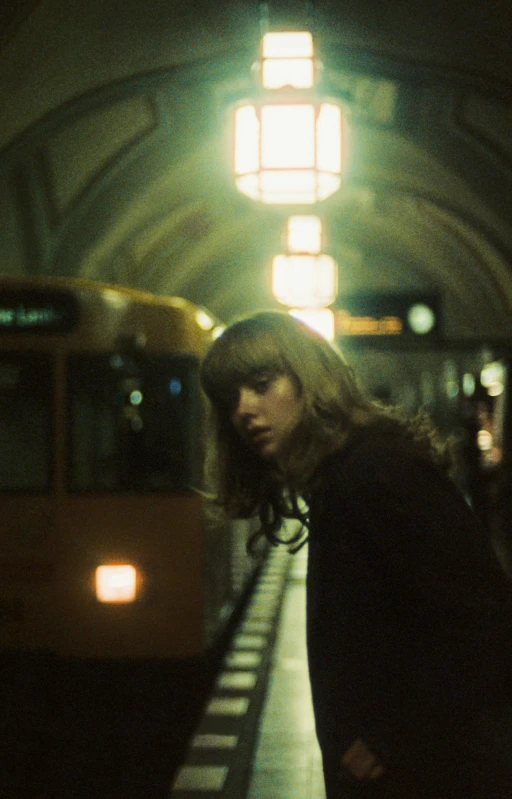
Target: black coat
pixel 409 626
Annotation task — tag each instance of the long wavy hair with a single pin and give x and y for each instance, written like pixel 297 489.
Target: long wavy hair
pixel 333 407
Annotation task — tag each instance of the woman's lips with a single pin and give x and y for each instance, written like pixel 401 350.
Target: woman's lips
pixel 258 434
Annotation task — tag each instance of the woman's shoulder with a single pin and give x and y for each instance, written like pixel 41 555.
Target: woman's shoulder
pixel 380 439
pixel 385 452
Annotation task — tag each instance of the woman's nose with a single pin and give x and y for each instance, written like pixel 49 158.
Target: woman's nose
pixel 245 405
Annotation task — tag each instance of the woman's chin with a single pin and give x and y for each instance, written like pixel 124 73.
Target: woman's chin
pixel 265 450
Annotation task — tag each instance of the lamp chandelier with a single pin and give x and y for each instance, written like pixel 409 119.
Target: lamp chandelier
pixel 304 277
pixel 290 146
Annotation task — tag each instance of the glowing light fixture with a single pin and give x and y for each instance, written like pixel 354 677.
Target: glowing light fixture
pixel 304 280
pixel 421 318
pixel 484 440
pixel 290 146
pixel 304 234
pixel 493 372
pixel 303 276
pixel 495 389
pixel 136 397
pixel 321 320
pixel 116 583
pixel 287 60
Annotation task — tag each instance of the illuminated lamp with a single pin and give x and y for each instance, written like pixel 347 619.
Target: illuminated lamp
pixel 304 280
pixel 303 276
pixel 495 389
pixel 304 234
pixel 491 373
pixel 290 146
pixel 116 583
pixel 484 440
pixel 321 320
pixel 421 318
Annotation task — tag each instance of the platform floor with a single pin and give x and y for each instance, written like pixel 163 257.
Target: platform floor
pixel 256 739
pixel 287 762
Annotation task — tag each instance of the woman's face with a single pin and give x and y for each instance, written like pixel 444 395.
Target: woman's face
pixel 265 411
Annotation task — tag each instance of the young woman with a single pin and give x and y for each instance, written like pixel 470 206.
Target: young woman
pixel 409 616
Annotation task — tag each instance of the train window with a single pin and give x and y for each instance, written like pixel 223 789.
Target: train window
pixel 26 405
pixel 133 422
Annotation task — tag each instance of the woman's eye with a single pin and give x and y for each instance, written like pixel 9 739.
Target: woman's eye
pixel 231 401
pixel 261 384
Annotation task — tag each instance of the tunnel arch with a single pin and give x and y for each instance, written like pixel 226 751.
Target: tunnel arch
pixel 111 183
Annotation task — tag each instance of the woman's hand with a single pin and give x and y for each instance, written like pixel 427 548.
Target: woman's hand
pixel 361 762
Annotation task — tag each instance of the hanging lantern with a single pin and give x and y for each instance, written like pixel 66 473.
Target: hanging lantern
pixel 290 146
pixel 321 320
pixel 304 276
pixel 304 280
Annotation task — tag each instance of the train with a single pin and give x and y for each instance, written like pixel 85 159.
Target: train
pixel 107 550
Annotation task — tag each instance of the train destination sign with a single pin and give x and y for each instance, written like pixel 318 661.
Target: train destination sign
pixel 37 312
pixel 400 314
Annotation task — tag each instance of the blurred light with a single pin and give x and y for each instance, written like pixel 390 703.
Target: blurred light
pixel 421 318
pixel 452 389
pixel 305 280
pixel 116 361
pixel 218 331
pixel 495 389
pixel 116 583
pixel 468 384
pixel 304 234
pixel 204 320
pixel 287 137
pixel 136 397
pixel 493 372
pixel 321 320
pixel 289 153
pixel 296 72
pixel 175 387
pixel 484 440
pixel 115 298
pixel 329 135
pixel 247 138
pixel 451 378
pixel 287 44
pixel 287 60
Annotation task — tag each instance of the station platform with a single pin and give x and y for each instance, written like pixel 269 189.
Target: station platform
pixel 256 738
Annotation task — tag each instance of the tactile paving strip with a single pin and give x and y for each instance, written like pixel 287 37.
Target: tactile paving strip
pixel 217 763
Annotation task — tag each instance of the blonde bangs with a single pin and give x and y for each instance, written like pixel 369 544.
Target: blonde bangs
pixel 231 361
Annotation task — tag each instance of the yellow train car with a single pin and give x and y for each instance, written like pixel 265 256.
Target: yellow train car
pixel 104 547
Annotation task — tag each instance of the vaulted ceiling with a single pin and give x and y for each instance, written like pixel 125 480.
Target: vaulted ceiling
pixel 115 158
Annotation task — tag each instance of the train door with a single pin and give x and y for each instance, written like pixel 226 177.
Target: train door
pixel 27 531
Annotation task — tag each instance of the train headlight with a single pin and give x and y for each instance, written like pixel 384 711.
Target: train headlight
pixel 116 583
